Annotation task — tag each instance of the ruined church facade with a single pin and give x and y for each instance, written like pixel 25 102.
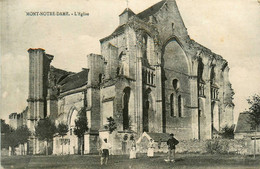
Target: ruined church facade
pixel 150 77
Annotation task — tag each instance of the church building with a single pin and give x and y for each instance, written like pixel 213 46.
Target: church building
pixel 150 77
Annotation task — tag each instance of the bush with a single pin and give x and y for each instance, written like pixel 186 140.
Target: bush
pixel 111 124
pixel 217 147
pixel 228 132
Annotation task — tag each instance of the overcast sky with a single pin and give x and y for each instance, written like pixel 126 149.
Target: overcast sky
pixel 229 28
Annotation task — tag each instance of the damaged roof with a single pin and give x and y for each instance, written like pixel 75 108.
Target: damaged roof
pixel 74 81
pixel 59 74
pixel 120 29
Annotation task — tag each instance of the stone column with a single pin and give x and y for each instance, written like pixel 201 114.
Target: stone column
pixel 139 85
pixel 158 90
pixel 194 107
pixel 194 99
pixel 207 128
pixel 139 96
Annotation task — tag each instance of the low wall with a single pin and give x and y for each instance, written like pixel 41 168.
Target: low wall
pixel 4 152
pixel 242 146
pixel 214 146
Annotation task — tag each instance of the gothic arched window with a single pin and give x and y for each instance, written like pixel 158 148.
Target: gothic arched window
pixel 179 106
pixel 148 81
pixel 152 78
pixel 175 84
pixel 100 78
pixel 212 76
pixel 126 97
pixel 172 104
pixel 145 39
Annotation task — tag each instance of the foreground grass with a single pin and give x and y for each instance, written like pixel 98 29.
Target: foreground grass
pixel 123 162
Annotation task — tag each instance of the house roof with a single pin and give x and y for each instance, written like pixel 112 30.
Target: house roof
pixel 151 10
pixel 243 123
pixel 155 136
pixel 74 81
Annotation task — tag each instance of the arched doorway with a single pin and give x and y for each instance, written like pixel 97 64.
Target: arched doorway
pixel 73 144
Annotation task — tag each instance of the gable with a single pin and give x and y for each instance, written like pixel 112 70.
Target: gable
pixel 159 136
pixel 166 17
pixel 144 15
pixel 146 136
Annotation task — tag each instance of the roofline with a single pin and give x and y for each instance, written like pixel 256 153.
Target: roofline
pixel 165 1
pixel 127 10
pixel 112 34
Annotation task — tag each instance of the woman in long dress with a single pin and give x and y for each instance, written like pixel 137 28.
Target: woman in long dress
pixel 133 150
pixel 150 151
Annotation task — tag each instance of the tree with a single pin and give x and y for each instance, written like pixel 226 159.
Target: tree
pixel 254 111
pixel 45 131
pixel 8 137
pixel 111 124
pixel 5 128
pixel 81 126
pixel 62 130
pixel 254 115
pixel 12 140
pixel 23 134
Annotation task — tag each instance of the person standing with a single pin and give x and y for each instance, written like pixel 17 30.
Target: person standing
pixel 133 149
pixel 172 142
pixel 159 144
pixel 150 151
pixel 105 151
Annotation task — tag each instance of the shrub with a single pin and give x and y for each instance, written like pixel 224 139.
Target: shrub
pixel 216 147
pixel 125 137
pixel 228 132
pixel 111 124
pixel 132 137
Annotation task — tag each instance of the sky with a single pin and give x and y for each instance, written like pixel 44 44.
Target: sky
pixel 229 28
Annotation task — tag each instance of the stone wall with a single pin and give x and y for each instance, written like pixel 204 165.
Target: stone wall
pixel 225 146
pixel 243 146
pixel 67 104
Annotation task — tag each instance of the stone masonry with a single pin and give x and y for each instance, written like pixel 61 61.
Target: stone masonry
pixel 150 77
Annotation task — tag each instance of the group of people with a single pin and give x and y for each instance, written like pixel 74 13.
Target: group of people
pixel 171 143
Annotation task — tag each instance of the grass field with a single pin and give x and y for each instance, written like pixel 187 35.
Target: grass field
pixel 123 162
